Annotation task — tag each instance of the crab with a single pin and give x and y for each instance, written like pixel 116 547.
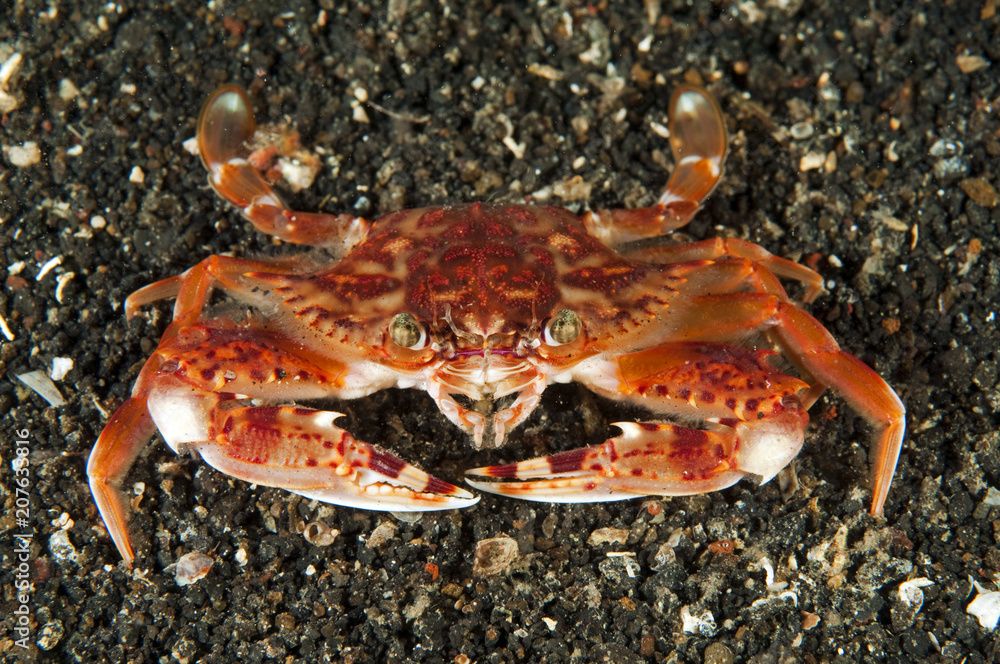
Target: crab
pixel 484 306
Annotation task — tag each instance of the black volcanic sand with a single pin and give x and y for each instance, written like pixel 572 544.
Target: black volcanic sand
pixel 897 106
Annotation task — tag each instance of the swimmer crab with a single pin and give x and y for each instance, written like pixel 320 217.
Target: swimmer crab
pixel 484 306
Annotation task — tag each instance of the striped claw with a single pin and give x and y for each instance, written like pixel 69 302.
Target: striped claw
pixel 373 479
pixel 301 450
pixel 391 485
pixel 647 459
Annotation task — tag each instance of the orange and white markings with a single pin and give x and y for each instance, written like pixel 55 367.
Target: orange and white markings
pixel 483 306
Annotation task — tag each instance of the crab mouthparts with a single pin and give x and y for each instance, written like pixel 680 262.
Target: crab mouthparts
pixel 488 395
pixel 489 420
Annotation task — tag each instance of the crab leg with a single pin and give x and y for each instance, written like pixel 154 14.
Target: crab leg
pixel 193 390
pixel 131 428
pixel 764 262
pixel 225 125
pixel 755 435
pixel 698 141
pixel 126 434
pixel 726 317
pixel 815 353
pixel 213 271
pixel 650 459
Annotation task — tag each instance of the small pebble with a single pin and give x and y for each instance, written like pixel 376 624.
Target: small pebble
pixel 359 115
pixel 855 93
pixel 811 161
pixel 61 547
pixel 136 176
pixel 27 154
pixel 384 532
pixel 801 130
pixel 603 536
pixel 971 63
pixel 945 148
pixel 67 91
pixel 494 555
pixel 718 653
pixel 809 620
pixel 319 534
pixel 981 191
pixel 830 164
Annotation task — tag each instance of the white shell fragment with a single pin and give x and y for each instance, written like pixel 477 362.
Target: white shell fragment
pixel 7 70
pixel 318 533
pixel 514 146
pixel 617 561
pixel 299 174
pixel 61 282
pixel 5 329
pixel 48 266
pixel 703 624
pixel 910 592
pixel 60 367
pixel 665 554
pixel 800 131
pixel 811 161
pixel 68 90
pixel 23 155
pixel 384 532
pixel 408 517
pixel 985 607
pixel 61 547
pixel 43 386
pixel 191 146
pixel 191 567
pixel 776 591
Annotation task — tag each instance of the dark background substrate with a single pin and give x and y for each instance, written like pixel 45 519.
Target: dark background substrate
pixel 904 227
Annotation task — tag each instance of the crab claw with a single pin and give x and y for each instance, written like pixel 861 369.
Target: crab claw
pixel 374 479
pixel 301 450
pixel 326 463
pixel 647 459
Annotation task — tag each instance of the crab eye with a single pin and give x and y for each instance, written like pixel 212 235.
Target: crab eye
pixel 405 331
pixel 563 328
